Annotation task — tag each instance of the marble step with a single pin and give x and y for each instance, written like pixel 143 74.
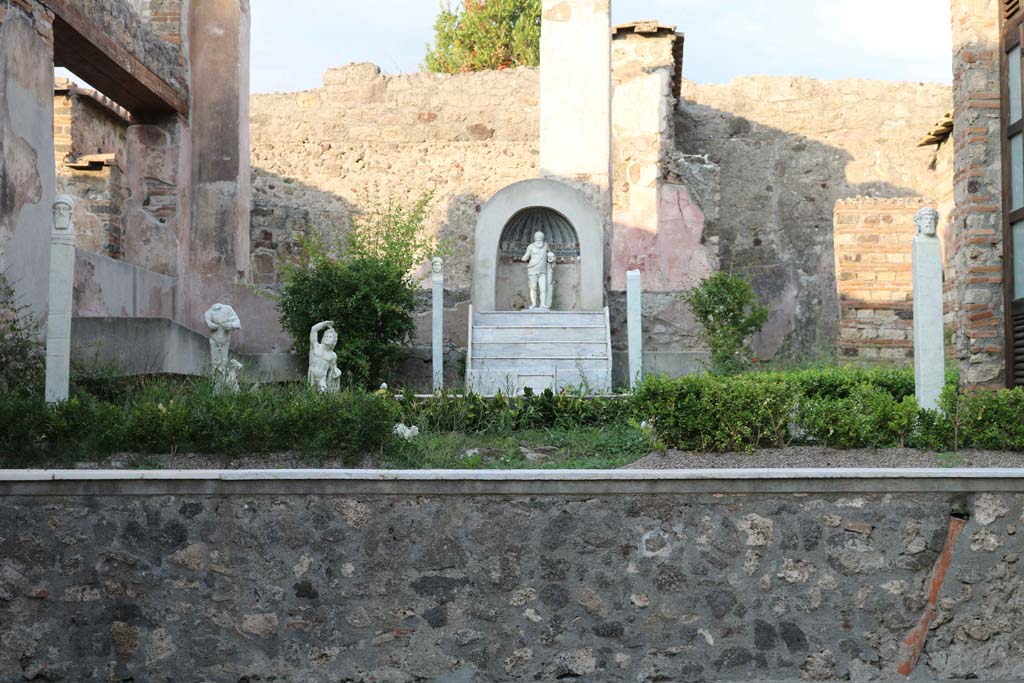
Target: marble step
pixel 536 349
pixel 538 365
pixel 490 382
pixel 531 319
pixel 488 335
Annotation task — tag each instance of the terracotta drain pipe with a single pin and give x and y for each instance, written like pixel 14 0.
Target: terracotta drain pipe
pixel 913 644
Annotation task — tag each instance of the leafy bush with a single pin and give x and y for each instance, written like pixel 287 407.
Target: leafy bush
pixel 22 353
pixel 485 34
pixel 166 418
pixel 365 285
pixel 473 414
pixel 711 413
pixel 729 311
pixel 869 417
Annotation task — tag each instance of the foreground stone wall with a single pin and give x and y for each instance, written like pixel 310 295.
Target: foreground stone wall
pixel 401 581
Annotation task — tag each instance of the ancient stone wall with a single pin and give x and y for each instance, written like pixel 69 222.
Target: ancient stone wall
pixel 320 155
pixel 323 581
pixel 788 149
pixel 90 145
pixel 977 234
pixel 122 22
pixel 874 274
pixel 749 184
pixel 26 148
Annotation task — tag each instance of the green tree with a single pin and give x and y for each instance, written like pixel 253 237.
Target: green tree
pixel 366 285
pixel 729 311
pixel 485 34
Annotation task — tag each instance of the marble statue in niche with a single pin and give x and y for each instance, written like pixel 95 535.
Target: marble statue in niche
pixel 324 374
pixel 539 261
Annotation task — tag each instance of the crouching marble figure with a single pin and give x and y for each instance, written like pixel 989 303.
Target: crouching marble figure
pixel 540 268
pixel 222 320
pixel 323 374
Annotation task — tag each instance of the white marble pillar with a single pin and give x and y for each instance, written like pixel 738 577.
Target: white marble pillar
pixel 58 321
pixel 437 323
pixel 929 340
pixel 634 317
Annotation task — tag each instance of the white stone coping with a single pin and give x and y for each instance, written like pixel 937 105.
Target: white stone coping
pixel 618 475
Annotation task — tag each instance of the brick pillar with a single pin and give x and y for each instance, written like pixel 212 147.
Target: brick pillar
pixel 976 249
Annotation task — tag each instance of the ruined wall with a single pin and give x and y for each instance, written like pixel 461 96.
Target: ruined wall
pixel 874 273
pixel 26 148
pixel 977 233
pixel 90 145
pixel 749 183
pixel 127 24
pixel 321 154
pixel 788 149
pixel 318 582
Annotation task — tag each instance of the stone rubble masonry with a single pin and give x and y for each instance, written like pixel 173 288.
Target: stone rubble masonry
pixel 321 155
pixel 977 232
pixel 873 239
pixel 788 149
pixel 122 22
pixel 362 585
pixel 754 173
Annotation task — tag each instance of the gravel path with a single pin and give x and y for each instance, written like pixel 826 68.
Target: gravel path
pixel 815 456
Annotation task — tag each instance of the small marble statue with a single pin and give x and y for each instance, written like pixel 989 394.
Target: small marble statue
pixel 437 264
pixel 222 320
pixel 60 298
pixel 927 221
pixel 324 374
pixel 228 380
pixel 62 210
pixel 537 258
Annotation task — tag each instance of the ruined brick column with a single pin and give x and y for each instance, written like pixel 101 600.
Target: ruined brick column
pixel 976 246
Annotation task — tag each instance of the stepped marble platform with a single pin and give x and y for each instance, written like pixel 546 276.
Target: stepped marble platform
pixel 512 350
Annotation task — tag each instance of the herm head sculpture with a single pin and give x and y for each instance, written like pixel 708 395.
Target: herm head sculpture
pixel 927 221
pixel 62 209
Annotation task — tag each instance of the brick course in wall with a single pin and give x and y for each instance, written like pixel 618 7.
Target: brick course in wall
pixel 874 275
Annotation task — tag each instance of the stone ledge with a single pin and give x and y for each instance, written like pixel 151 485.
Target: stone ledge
pixel 500 482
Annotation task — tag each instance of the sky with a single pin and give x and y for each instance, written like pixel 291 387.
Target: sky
pixel 294 42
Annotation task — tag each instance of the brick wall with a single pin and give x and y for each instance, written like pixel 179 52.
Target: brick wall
pixel 86 125
pixel 873 240
pixel 976 235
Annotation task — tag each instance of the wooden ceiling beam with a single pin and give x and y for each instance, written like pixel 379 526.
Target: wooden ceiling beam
pixel 82 47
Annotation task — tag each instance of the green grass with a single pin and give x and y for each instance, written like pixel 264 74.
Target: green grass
pixel 580 448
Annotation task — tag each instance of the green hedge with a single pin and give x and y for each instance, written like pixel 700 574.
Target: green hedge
pixel 836 407
pixel 164 418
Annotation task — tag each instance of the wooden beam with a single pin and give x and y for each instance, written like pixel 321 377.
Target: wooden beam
pixel 82 46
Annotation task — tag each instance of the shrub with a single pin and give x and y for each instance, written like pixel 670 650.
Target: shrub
pixel 473 414
pixel 368 290
pixel 22 354
pixel 705 412
pixel 729 311
pixel 486 34
pixel 164 418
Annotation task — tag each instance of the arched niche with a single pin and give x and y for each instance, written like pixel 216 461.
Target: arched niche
pixel 511 286
pixel 568 214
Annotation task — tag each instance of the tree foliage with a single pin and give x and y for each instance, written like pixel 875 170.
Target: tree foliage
pixel 365 284
pixel 728 309
pixel 485 34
